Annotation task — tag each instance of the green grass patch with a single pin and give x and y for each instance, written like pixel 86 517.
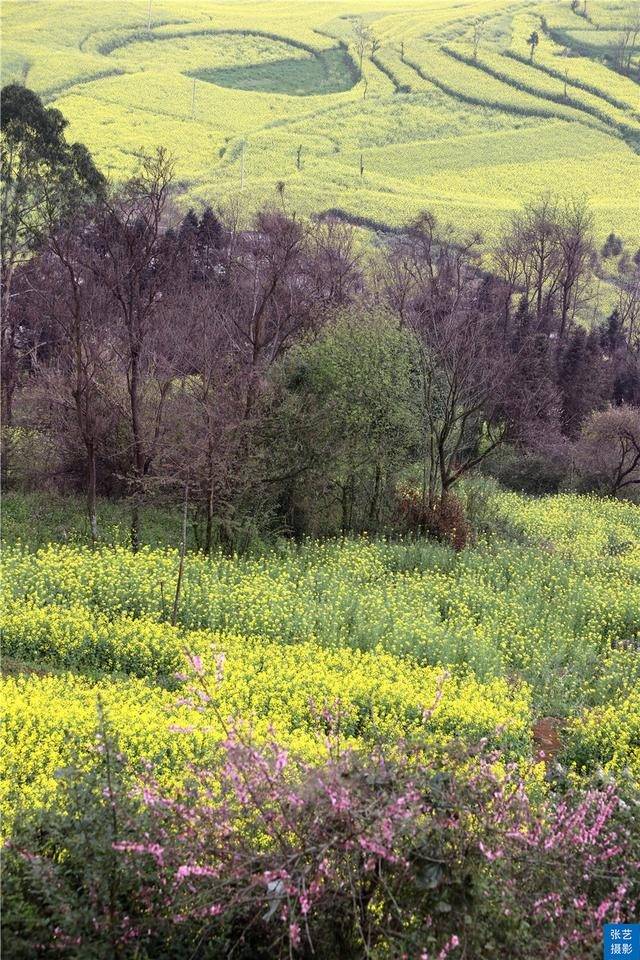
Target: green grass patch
pixel 326 72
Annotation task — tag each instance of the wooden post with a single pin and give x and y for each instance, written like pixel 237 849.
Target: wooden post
pixel 183 549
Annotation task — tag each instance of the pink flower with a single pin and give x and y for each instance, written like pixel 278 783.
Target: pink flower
pixel 194 870
pixel 294 934
pixel 305 904
pixel 489 854
pixel 451 944
pixel 220 658
pixel 196 663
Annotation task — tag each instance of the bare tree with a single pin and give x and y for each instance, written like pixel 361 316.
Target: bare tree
pixel 548 255
pixel 534 237
pixel 626 43
pixel 476 37
pixel 435 286
pixel 364 38
pixel 280 280
pixel 77 379
pixel 628 283
pixel 609 448
pixel 576 256
pixel 334 265
pixel 205 442
pixel 133 263
pixel 509 257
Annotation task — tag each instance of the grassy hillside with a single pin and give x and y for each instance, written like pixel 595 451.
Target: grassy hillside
pixel 249 95
pixel 542 619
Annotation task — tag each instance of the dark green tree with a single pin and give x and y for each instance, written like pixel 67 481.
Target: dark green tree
pixel 43 181
pixel 343 425
pixel 612 246
pixel 43 178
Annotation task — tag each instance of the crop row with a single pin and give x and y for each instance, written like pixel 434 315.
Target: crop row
pixel 522 76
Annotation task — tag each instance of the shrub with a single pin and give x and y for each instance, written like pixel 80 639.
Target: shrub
pixel 444 520
pixel 612 246
pixel 608 451
pixel 388 856
pixel 530 472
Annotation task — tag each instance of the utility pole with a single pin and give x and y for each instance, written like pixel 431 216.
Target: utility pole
pixel 361 165
pixel 242 167
pixel 193 100
pixel 149 17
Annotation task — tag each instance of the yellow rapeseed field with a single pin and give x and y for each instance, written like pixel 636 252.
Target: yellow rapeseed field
pixel 544 621
pixel 441 107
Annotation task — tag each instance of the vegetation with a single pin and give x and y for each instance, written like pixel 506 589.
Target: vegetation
pixel 358 81
pixel 321 556
pixel 396 642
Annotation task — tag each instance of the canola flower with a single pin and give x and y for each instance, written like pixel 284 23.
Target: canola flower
pixel 283 690
pixel 271 79
pixel 560 609
pixel 545 622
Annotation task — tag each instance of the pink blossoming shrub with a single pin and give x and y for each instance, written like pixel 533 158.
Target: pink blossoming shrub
pixel 394 855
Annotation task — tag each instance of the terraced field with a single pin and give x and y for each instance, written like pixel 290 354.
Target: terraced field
pixel 441 106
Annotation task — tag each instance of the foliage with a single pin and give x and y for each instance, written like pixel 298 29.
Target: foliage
pixel 384 856
pixel 43 176
pixel 343 413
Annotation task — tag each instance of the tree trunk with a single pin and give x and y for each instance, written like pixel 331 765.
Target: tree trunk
pixel 91 493
pixel 209 531
pixel 564 316
pixel 374 508
pixel 135 522
pixel 183 550
pixel 138 451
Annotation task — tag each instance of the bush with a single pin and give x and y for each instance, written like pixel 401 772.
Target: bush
pixel 608 451
pixel 388 856
pixel 612 246
pixel 444 520
pixel 529 472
